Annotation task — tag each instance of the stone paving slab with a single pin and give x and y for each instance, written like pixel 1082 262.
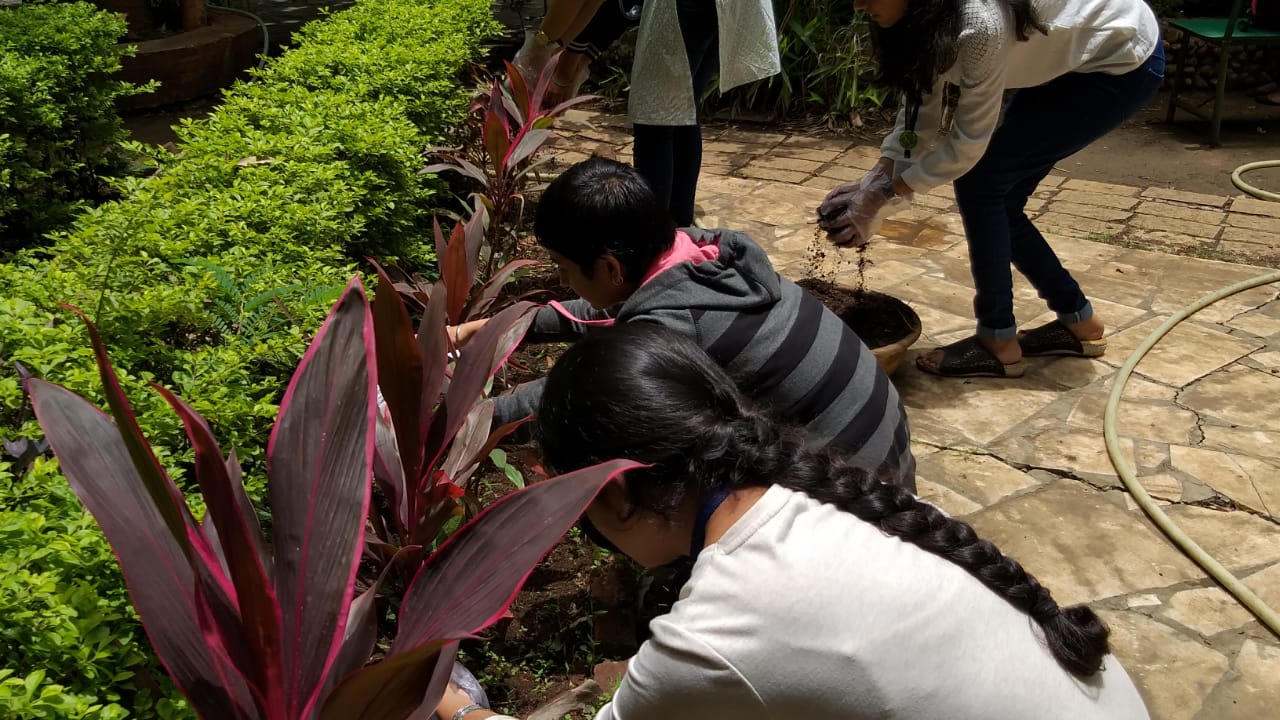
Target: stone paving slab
pixel 1024 460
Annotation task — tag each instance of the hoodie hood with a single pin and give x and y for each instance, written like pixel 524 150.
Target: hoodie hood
pixel 740 278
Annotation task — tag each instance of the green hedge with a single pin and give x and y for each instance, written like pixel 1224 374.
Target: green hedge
pixel 208 278
pixel 58 123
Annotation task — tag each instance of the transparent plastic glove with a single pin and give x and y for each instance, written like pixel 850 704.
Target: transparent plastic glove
pixel 852 213
pixel 533 56
pixel 468 684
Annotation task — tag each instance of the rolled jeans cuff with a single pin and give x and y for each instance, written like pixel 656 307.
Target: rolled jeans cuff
pixel 987 333
pixel 1080 315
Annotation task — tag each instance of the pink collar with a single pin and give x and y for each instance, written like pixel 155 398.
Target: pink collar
pixel 684 249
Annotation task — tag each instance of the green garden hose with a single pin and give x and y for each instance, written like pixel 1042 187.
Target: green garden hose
pixel 1254 191
pixel 1231 583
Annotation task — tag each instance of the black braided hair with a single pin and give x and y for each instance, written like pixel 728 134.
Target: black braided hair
pixel 642 392
pixel 913 52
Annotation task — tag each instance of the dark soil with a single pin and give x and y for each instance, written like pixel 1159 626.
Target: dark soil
pixel 877 318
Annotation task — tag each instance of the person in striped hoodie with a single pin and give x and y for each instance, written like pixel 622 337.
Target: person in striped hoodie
pixel 617 247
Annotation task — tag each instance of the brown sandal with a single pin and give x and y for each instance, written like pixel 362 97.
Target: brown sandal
pixel 970 358
pixel 1055 338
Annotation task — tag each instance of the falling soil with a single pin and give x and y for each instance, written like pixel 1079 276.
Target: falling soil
pixel 821 272
pixel 876 318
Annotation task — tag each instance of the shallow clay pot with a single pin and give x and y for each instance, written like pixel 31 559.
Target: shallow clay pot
pixel 886 324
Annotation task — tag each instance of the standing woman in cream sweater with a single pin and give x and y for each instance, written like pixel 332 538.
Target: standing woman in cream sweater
pixel 1079 69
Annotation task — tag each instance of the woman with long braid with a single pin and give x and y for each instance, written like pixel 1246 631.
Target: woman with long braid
pixel 817 593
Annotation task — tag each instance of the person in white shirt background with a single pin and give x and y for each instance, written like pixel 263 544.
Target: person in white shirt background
pixel 682 46
pixel 817 591
pixel 1079 69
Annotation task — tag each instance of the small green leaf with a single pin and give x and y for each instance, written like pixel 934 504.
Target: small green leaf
pixel 514 476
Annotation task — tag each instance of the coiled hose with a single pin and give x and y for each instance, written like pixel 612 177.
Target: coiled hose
pixel 1231 583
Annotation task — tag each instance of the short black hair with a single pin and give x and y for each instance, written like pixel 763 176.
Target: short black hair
pixel 603 207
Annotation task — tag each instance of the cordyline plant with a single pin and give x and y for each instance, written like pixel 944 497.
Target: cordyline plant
pixel 469 296
pixel 513 125
pixel 435 429
pixel 273 630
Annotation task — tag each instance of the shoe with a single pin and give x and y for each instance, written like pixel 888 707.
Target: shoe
pixel 970 358
pixel 1057 339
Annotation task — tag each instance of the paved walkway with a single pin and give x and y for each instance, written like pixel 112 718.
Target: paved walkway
pixel 1024 460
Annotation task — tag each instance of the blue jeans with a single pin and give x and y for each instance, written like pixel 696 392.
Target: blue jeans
pixel 1042 125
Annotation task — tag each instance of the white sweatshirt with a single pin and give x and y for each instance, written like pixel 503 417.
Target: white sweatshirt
pixel 803 611
pixel 1107 36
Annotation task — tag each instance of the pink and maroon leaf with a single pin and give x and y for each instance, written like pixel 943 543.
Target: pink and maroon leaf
pixel 392 689
pixel 457 279
pixel 493 286
pixel 433 346
pixel 559 110
pixel 497 134
pixel 467 443
pixel 459 165
pixel 479 360
pixel 319 462
pixel 473 230
pixel 399 376
pixel 165 496
pixel 471 581
pixel 519 89
pixel 528 143
pixel 259 615
pixel 157 569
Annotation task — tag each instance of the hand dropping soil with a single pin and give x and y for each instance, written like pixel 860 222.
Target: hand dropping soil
pixel 878 319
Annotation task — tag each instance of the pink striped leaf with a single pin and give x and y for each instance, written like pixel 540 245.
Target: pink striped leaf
pixel 479 360
pixel 463 588
pixel 320 463
pixel 240 539
pixel 157 569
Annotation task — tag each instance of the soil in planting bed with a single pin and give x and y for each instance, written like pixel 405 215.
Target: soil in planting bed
pixel 877 318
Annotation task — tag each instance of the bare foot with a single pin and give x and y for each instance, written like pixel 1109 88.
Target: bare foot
pixel 1091 329
pixel 572 70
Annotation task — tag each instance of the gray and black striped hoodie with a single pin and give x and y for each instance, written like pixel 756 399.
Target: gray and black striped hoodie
pixel 785 348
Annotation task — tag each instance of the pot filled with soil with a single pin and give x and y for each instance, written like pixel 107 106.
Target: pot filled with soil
pixel 886 324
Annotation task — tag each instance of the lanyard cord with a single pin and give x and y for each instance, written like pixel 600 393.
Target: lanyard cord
pixel 908 138
pixel 709 506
